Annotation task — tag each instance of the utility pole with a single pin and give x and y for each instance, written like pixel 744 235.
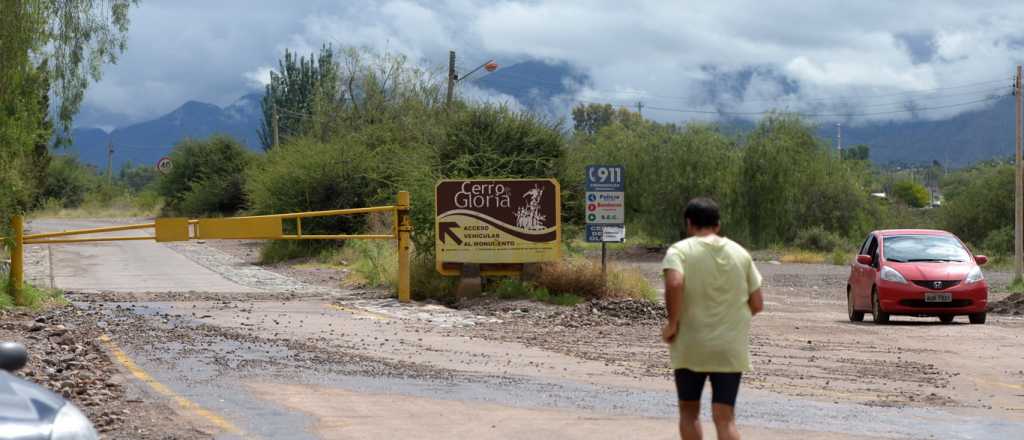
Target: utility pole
pixel 640 108
pixel 839 137
pixel 451 78
pixel 274 118
pixel 1018 236
pixel 110 158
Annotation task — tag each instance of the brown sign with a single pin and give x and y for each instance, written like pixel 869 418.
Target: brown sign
pixel 498 221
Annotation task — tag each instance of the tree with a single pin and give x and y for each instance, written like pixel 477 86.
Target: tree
pixel 857 152
pixel 978 201
pixel 47 48
pixel 207 178
pixel 297 93
pixel 912 193
pixel 589 118
pixel 791 180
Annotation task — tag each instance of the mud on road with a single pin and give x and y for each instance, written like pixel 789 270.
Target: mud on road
pixel 292 354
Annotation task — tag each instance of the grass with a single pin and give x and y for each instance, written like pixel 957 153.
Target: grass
pixel 511 289
pixel 145 204
pixel 803 256
pixel 1016 286
pixel 37 298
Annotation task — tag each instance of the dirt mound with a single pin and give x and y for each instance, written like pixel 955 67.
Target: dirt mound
pixel 1011 305
pixel 618 312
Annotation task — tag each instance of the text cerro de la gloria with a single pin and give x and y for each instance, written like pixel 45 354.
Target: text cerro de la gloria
pixel 483 195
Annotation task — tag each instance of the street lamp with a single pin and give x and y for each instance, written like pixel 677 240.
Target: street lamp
pixel 489 66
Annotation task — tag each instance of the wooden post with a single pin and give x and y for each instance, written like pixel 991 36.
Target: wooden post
pixel 1018 238
pixel 274 118
pixel 17 277
pixel 451 78
pixel 404 227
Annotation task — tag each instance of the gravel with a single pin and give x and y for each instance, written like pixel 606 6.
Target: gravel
pixel 67 357
pixel 1011 305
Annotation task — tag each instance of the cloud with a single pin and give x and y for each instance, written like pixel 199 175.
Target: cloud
pixel 826 57
pixel 259 78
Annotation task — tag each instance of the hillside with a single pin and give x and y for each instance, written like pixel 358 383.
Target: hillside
pixel 148 141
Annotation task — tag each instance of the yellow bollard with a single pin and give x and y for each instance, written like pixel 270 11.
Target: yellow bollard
pixel 404 227
pixel 18 261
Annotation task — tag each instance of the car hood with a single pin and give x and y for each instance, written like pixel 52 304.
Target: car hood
pixel 27 410
pixel 933 271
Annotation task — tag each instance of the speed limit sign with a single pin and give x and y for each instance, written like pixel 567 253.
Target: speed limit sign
pixel 164 165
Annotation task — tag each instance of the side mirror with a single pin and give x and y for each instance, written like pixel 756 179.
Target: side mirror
pixel 865 260
pixel 981 260
pixel 13 356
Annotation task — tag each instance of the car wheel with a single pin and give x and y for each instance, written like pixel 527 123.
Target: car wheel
pixel 854 315
pixel 877 315
pixel 977 318
pixel 946 319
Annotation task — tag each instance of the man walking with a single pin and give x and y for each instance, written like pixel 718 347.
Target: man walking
pixel 712 289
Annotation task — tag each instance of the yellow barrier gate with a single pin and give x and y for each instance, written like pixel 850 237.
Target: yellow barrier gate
pixel 269 227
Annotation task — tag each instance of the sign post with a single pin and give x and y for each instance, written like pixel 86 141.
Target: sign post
pixel 605 188
pixel 496 224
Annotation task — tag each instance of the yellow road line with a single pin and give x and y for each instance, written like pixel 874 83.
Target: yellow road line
pixel 358 311
pixel 1001 384
pixel 184 403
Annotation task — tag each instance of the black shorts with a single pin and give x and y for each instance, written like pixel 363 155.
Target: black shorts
pixel 724 386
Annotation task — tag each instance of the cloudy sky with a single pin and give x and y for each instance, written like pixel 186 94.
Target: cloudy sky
pixel 869 59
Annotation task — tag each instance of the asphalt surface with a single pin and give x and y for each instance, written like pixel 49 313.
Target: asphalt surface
pixel 297 361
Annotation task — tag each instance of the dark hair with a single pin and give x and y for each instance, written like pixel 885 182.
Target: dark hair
pixel 702 212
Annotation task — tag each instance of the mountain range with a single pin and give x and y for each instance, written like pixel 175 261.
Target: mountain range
pixel 147 142
pixel 964 139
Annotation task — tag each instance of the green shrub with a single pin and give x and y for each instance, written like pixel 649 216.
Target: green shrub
pixel 375 262
pixel 978 201
pixel 427 284
pixel 912 193
pixel 67 181
pixel 512 289
pixel 999 241
pixel 816 238
pixel 207 177
pixel 307 175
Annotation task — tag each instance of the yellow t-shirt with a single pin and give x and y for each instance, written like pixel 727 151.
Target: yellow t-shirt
pixel 714 325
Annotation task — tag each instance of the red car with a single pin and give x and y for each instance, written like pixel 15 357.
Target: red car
pixel 916 273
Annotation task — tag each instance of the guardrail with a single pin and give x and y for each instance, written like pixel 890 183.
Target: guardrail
pixel 268 227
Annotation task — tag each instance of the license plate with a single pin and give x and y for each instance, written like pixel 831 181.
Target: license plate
pixel 938 297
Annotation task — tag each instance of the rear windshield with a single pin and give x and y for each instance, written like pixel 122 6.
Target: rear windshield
pixel 923 248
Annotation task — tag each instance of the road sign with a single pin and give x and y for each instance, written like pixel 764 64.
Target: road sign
pixel 606 233
pixel 605 178
pixel 605 210
pixel 497 221
pixel 164 165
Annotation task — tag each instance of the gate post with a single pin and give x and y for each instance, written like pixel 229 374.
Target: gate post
pixel 404 228
pixel 17 277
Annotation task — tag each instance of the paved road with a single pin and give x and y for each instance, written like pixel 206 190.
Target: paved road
pixel 339 365
pixel 123 266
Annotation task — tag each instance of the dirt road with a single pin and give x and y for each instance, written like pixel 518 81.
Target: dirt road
pixel 263 355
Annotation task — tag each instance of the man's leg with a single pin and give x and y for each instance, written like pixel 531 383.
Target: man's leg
pixel 689 386
pixel 689 420
pixel 724 389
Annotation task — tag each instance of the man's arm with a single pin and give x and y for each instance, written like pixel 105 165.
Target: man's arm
pixel 674 284
pixel 756 302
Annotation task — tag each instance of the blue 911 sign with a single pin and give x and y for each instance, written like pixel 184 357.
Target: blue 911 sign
pixel 605 178
pixel 605 205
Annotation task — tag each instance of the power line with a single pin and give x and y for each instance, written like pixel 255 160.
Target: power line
pixel 524 79
pixel 808 115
